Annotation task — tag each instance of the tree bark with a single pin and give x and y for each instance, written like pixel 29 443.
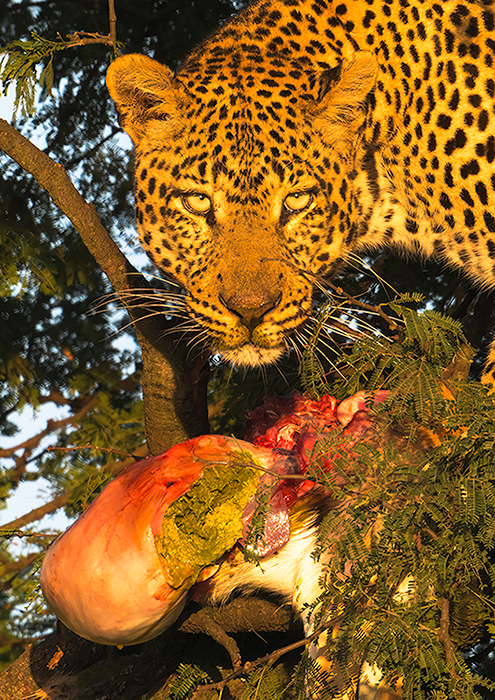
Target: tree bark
pixel 66 667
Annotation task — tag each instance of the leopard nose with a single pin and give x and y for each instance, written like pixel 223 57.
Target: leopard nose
pixel 251 316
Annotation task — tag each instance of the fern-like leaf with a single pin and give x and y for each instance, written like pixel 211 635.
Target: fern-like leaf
pixel 188 678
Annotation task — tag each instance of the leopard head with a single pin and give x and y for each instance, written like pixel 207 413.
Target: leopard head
pixel 243 198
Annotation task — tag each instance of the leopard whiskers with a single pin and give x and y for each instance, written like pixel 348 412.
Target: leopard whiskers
pixel 165 303
pixel 328 326
pixel 316 342
pixel 306 338
pixel 152 303
pixel 160 280
pixel 181 329
pixel 358 263
pixel 197 342
pixel 133 298
pixel 294 341
pixel 349 309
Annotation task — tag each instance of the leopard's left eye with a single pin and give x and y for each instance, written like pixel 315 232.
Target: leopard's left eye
pixel 298 201
pixel 196 203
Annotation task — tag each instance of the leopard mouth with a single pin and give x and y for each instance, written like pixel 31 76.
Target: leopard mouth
pixel 250 355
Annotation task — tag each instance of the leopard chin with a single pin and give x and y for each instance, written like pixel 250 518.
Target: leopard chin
pixel 250 355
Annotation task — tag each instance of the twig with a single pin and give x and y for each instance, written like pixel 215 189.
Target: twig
pixel 88 445
pixel 368 307
pixel 64 498
pixel 51 427
pixel 444 636
pixel 269 658
pixel 113 24
pixel 7 534
pixel 83 38
pixel 248 666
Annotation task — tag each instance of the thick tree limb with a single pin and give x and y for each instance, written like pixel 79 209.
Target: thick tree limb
pixel 65 666
pixel 174 386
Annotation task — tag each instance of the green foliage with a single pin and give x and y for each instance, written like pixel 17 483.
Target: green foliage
pixel 189 677
pixel 420 510
pixel 423 344
pixel 22 67
pixel 311 368
pixel 265 683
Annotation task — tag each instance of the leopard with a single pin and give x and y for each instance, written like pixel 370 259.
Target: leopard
pixel 301 133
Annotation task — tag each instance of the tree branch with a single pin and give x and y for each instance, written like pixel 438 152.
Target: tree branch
pixel 62 500
pixel 113 24
pixel 174 385
pixel 51 426
pixel 84 38
pixel 444 635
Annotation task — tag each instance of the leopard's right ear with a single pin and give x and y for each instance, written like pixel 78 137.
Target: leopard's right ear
pixel 145 90
pixel 342 108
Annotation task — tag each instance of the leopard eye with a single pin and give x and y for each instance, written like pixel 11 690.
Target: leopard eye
pixel 196 203
pixel 298 201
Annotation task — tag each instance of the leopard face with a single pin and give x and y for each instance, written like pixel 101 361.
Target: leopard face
pixel 304 130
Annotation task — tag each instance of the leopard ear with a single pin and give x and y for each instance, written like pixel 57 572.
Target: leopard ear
pixel 142 90
pixel 342 109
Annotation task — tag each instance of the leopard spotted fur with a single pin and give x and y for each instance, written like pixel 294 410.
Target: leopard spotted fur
pixel 304 130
